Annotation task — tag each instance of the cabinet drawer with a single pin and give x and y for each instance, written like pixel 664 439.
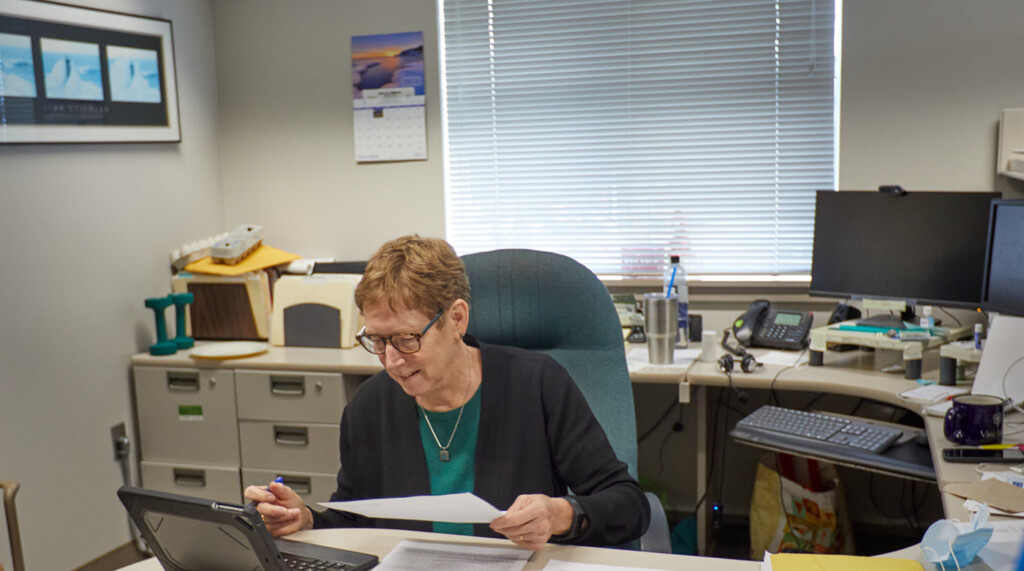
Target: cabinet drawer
pixel 217 483
pixel 289 446
pixel 290 396
pixel 187 415
pixel 311 487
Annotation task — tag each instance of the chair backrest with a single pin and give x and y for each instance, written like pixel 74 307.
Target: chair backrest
pixel 553 304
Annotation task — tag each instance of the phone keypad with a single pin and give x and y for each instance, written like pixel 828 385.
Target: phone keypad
pixel 782 332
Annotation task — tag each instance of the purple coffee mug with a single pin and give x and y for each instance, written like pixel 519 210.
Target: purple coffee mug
pixel 974 420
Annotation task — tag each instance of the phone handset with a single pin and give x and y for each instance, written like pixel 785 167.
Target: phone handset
pixel 764 326
pixel 745 325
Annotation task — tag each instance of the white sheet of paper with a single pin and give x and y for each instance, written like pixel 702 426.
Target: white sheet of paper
pixel 416 555
pixel 933 393
pixel 1003 550
pixel 556 565
pixel 784 358
pixel 454 508
pixel 637 359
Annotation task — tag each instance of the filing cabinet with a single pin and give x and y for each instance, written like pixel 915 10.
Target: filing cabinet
pixel 218 483
pixel 187 415
pixel 188 431
pixel 288 427
pixel 211 428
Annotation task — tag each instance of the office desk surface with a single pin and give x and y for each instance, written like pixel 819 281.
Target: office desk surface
pixel 380 542
pixel 354 361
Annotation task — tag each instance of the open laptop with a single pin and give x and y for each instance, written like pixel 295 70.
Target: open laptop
pixel 188 533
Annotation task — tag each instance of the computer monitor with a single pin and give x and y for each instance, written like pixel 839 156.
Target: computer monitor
pixel 918 247
pixel 1003 288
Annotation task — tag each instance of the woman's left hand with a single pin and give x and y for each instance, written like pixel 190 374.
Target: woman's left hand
pixel 533 518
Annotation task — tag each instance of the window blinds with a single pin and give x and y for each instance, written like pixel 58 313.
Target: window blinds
pixel 619 132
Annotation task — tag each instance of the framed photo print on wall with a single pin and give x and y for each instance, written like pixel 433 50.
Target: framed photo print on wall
pixel 79 75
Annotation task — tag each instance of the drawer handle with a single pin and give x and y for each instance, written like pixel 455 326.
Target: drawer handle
pixel 300 484
pixel 183 382
pixel 287 386
pixel 291 435
pixel 190 478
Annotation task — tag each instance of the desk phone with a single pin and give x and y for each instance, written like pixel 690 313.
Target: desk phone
pixel 764 326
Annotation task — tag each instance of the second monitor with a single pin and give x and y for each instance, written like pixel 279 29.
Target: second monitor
pixel 919 247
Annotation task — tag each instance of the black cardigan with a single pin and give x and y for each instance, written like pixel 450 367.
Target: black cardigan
pixel 537 435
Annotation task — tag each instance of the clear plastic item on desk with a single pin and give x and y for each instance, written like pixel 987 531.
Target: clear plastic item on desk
pixel 240 243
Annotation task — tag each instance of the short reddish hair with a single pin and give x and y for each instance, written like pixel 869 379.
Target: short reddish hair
pixel 422 274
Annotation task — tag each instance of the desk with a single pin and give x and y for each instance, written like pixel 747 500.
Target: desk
pixel 854 374
pixel 380 542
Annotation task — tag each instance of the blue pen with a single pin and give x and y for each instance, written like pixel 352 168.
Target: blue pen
pixel 277 480
pixel 671 282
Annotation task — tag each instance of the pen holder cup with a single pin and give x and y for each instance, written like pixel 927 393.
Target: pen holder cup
pixel 661 323
pixel 974 420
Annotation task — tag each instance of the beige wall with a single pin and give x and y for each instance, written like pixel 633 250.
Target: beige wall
pixel 86 232
pixel 287 154
pixel 923 82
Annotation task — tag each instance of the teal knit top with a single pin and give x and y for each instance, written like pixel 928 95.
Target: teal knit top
pixel 456 475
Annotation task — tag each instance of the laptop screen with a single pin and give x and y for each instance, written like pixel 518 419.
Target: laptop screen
pixel 185 532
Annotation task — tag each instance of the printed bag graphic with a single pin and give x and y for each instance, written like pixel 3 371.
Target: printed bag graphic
pixel 807 521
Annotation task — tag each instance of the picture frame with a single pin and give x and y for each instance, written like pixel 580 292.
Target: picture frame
pixel 80 75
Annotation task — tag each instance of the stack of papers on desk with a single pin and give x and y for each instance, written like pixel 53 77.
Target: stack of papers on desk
pixel 937 397
pixel 416 555
pixel 637 359
pixel 784 358
pixel 556 565
pixel 1004 547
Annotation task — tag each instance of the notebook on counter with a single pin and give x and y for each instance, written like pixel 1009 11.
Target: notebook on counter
pixel 193 533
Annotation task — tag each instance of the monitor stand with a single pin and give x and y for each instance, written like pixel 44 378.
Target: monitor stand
pixel 889 321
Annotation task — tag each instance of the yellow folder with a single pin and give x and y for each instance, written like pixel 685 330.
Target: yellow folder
pixel 815 562
pixel 263 257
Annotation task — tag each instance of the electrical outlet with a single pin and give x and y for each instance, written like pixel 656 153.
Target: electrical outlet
pixel 119 438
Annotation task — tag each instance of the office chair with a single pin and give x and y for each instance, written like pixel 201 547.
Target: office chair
pixel 10 489
pixel 553 304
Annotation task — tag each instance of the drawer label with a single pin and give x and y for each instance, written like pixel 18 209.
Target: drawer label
pixel 190 412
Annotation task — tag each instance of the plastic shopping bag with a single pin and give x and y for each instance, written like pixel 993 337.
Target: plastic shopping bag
pixel 800 510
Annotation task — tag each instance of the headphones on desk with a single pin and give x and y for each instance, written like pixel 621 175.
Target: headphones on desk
pixel 748 363
pixel 726 364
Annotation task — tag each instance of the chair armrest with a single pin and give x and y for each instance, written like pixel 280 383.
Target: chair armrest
pixel 657 537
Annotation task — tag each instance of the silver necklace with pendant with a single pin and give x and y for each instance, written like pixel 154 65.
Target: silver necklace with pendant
pixel 443 454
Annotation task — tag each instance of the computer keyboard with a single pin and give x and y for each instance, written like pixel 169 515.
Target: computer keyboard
pixel 822 427
pixel 297 562
pixel 848 441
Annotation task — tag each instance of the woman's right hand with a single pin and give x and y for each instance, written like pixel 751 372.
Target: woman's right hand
pixel 282 509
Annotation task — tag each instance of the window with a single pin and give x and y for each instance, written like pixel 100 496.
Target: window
pixel 618 132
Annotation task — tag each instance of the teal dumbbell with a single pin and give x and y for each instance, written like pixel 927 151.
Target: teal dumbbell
pixel 181 301
pixel 163 345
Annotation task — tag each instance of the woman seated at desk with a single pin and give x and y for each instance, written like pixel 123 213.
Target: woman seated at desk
pixel 450 414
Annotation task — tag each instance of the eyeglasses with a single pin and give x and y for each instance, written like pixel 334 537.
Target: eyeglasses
pixel 404 342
